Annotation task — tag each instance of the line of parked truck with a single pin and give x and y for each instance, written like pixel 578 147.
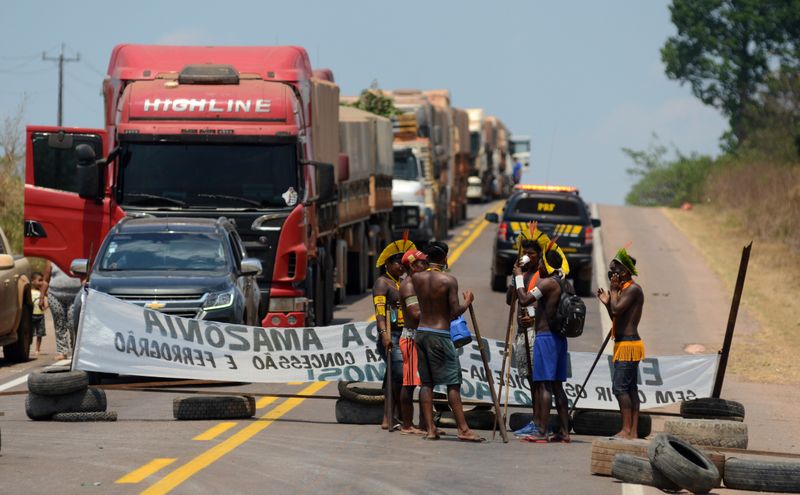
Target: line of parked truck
pixel 314 186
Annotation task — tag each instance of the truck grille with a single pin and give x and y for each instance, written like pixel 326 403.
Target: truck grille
pixel 185 305
pixel 405 216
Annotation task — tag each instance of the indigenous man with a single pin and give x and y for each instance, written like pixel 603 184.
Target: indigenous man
pixel 386 297
pixel 414 261
pixel 438 361
pixel 549 349
pixel 624 303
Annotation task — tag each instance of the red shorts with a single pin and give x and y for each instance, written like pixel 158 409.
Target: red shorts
pixel 410 361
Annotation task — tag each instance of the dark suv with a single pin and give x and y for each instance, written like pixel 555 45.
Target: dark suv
pixel 188 267
pixel 559 211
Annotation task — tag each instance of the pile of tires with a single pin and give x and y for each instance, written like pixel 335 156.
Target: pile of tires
pixel 671 464
pixel 607 423
pixel 359 404
pixel 710 422
pixel 200 407
pixel 59 394
pixel 605 450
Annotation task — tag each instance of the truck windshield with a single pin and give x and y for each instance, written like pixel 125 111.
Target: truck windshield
pixel 164 251
pixel 405 166
pixel 231 175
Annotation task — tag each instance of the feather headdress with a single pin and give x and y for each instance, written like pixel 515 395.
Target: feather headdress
pixel 626 260
pixel 394 248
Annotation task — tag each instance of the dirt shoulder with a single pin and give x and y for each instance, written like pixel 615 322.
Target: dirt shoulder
pixel 770 354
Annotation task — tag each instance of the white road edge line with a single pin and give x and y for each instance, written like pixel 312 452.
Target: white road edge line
pixel 601 279
pixel 13 383
pixel 631 489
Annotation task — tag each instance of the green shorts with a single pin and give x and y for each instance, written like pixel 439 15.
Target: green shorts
pixel 438 359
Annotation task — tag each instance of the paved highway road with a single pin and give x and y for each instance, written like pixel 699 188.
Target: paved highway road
pixel 296 446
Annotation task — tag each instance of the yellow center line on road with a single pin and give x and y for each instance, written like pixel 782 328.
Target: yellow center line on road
pixel 202 461
pixel 143 472
pixel 215 431
pixel 264 402
pixel 458 251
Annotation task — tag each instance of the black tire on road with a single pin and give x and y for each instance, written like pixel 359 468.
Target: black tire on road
pixel 477 420
pixel 353 413
pixel 57 382
pixel 712 408
pixel 20 351
pixel 499 283
pixel 583 288
pixel 607 423
pixel 709 432
pixel 683 464
pixel 213 407
pixel 360 394
pixel 762 476
pixel 75 417
pixel 639 471
pixel 39 407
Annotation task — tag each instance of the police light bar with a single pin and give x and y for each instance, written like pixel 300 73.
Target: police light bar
pixel 538 187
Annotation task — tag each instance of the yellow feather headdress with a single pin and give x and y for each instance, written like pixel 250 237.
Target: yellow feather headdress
pixel 394 248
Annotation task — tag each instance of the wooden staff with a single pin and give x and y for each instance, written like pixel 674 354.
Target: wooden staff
pixel 489 377
pixel 388 375
pixel 530 372
pixel 505 358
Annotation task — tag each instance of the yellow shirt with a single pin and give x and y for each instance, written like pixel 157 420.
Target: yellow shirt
pixel 36 296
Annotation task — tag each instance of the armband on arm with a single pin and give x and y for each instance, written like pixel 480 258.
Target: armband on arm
pixel 537 293
pixel 380 305
pixel 519 282
pixel 411 300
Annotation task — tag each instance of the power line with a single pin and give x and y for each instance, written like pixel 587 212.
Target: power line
pixel 14 68
pixel 61 59
pixel 92 68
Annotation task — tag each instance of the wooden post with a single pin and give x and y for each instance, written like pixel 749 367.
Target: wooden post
pixel 737 297
pixel 489 377
pixel 505 358
pixel 528 355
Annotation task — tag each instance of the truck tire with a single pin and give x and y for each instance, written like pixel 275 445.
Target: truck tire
pixel 359 394
pixel 213 407
pixel 499 283
pixel 762 476
pixel 57 382
pixel 329 287
pixel 683 464
pixel 39 407
pixel 607 423
pixel 712 408
pixel 20 351
pixel 76 417
pixel 353 413
pixel 583 288
pixel 639 471
pixel 709 432
pixel 480 419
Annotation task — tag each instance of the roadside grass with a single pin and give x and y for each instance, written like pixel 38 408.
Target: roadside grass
pixel 772 354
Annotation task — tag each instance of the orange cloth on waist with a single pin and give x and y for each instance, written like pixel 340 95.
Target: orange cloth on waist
pixel 628 350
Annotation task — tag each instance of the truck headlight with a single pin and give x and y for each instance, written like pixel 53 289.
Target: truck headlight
pixel 287 304
pixel 218 300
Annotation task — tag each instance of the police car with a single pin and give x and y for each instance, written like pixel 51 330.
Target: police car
pixel 560 212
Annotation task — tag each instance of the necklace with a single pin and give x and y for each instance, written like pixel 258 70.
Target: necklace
pixel 396 282
pixel 435 268
pixel 625 285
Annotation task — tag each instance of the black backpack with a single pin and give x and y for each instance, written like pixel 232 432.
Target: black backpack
pixel 570 313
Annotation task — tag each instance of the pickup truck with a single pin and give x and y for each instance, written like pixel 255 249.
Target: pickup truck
pixel 16 306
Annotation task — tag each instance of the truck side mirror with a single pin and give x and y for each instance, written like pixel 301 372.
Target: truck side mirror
pixel 343 172
pixel 79 266
pixel 438 137
pixel 90 175
pixel 595 222
pixel 326 182
pixel 492 217
pixel 424 131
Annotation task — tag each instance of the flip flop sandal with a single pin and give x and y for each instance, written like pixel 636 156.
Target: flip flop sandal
pixel 558 439
pixel 472 439
pixel 534 439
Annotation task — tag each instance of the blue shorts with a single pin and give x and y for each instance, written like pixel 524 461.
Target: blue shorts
pixel 549 357
pixel 397 356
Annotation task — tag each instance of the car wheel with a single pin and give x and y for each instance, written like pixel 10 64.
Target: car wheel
pixel 20 351
pixel 498 283
pixel 583 288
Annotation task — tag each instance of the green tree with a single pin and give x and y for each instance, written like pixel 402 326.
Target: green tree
pixel 726 50
pixel 12 155
pixel 374 100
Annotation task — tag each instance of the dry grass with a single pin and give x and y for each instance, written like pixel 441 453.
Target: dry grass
pixel 772 354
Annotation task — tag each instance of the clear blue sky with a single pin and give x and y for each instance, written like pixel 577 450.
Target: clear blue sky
pixel 583 78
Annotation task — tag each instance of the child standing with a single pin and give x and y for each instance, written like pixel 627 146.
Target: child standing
pixel 39 305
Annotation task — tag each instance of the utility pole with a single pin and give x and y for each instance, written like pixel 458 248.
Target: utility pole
pixel 61 59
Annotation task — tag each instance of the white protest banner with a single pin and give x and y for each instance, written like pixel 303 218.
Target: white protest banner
pixel 118 337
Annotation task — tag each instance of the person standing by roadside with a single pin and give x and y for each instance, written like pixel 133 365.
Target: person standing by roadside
pixel 386 298
pixel 60 290
pixel 624 302
pixel 414 261
pixel 549 349
pixel 39 307
pixel 437 294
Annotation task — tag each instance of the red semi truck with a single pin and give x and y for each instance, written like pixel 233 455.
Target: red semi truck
pixel 243 132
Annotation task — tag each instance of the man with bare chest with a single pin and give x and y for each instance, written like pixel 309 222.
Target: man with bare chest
pixel 624 303
pixel 437 294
